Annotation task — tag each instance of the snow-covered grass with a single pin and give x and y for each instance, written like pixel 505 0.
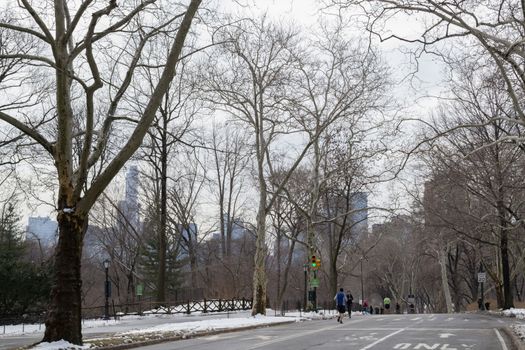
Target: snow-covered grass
pixel 20 329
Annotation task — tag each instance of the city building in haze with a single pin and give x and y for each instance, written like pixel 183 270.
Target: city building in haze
pixel 42 229
pixel 128 215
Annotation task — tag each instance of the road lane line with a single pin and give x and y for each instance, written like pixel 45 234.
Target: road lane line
pixel 501 341
pixel 384 338
pixel 298 335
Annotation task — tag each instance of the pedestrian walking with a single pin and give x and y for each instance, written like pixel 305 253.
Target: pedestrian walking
pixel 340 300
pixel 349 300
pixel 386 303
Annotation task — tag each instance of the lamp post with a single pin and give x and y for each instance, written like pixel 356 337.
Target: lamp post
pixel 107 290
pixel 305 294
pixel 362 287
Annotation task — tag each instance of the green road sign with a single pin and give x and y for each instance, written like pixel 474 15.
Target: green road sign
pixel 314 282
pixel 139 290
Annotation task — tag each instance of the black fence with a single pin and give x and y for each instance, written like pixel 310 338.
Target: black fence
pixel 140 308
pixel 185 307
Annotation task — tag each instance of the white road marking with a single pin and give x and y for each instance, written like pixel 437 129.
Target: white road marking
pixel 446 335
pixel 500 321
pixel 425 346
pixel 403 346
pixel 449 319
pixel 415 318
pixel 297 335
pixel 382 339
pixel 501 341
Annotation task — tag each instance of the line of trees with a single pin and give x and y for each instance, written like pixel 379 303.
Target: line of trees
pixel 271 136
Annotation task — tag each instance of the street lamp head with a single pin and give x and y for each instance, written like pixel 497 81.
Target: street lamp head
pixel 106 263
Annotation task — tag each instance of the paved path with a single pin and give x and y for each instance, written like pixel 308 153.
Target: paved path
pixel 401 332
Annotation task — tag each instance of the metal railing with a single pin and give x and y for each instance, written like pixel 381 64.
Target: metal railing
pixel 186 307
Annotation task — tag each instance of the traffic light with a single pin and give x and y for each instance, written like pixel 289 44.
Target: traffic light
pixel 318 263
pixel 313 262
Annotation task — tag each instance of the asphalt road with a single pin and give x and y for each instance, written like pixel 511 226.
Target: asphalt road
pixel 402 332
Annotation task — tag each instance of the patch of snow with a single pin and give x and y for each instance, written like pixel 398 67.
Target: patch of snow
pixel 518 313
pixel 519 330
pixel 9 330
pixel 59 345
pixel 208 325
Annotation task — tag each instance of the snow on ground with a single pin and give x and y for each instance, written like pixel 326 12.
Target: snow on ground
pixel 59 345
pixel 211 325
pixel 517 328
pixel 9 330
pixel 518 313
pixel 226 323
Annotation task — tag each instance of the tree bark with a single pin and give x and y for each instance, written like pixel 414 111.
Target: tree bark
pixel 161 283
pixel 444 279
pixel 64 315
pixel 508 300
pixel 259 273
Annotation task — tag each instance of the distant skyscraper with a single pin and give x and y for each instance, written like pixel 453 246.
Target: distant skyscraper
pixel 129 207
pixel 359 206
pixel 42 229
pixel 132 182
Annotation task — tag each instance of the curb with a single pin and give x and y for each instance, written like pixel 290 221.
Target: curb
pixel 185 336
pixel 516 342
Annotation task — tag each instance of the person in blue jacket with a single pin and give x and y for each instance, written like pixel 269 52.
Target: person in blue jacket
pixel 340 300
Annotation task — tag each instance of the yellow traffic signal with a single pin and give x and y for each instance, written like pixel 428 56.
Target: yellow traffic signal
pixel 318 263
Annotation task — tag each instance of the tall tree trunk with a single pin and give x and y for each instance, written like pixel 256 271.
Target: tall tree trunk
pixel 64 315
pixel 193 260
pixel 259 273
pixel 289 260
pixel 508 301
pixel 442 257
pixel 161 282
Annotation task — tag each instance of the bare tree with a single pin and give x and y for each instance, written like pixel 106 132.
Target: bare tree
pixel 230 157
pixel 183 198
pixel 81 129
pixel 485 167
pixel 489 30
pixel 340 99
pixel 170 126
pixel 120 240
pixel 250 86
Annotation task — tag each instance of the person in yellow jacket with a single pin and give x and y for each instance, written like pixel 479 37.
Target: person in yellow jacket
pixel 386 303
